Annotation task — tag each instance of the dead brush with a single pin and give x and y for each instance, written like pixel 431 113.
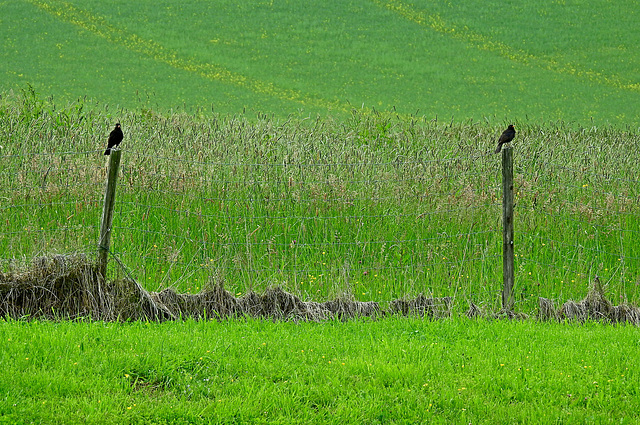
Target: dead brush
pixel 626 313
pixel 69 287
pixel 345 307
pixel 275 303
pixel 58 286
pixel 215 302
pixel 510 315
pixel 474 311
pixel 423 306
pixel 546 309
pixel 595 306
pixel 132 302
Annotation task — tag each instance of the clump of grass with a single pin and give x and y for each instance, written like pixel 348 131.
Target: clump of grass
pixel 625 313
pixel 474 311
pixel 595 306
pixel 546 309
pixel 276 303
pixel 65 286
pixel 345 306
pixel 132 302
pixel 69 287
pixel 423 306
pixel 215 302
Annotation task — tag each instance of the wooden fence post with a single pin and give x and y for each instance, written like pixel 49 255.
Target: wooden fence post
pixel 507 228
pixel 107 212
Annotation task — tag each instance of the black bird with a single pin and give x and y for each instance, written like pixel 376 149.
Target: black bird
pixel 115 137
pixel 506 137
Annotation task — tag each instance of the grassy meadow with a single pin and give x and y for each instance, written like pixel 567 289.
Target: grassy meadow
pixel 376 207
pixel 333 149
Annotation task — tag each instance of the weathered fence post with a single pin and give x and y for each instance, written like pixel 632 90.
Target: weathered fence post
pixel 107 212
pixel 507 228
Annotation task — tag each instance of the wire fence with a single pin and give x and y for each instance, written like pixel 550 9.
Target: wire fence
pixel 373 228
pixel 320 229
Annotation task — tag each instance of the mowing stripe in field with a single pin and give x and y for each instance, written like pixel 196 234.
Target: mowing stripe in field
pixel 99 26
pixel 436 23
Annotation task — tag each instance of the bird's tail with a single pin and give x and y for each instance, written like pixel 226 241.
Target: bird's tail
pixel 107 152
pixel 498 149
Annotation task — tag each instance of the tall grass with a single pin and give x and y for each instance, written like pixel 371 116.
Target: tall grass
pixel 376 206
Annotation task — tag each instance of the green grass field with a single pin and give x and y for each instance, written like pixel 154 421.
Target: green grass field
pixel 496 60
pixel 332 149
pixel 376 372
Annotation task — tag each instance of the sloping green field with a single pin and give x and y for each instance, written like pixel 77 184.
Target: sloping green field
pixel 474 59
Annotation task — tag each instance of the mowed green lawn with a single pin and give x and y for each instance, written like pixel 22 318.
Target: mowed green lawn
pixel 574 61
pixel 393 371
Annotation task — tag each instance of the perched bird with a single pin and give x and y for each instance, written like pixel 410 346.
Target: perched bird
pixel 506 137
pixel 115 137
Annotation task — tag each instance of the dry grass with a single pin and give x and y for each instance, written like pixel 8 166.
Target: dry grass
pixel 69 287
pixel 474 311
pixel 217 302
pixel 595 306
pixel 345 307
pixel 433 308
pixel 57 286
pixel 546 309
